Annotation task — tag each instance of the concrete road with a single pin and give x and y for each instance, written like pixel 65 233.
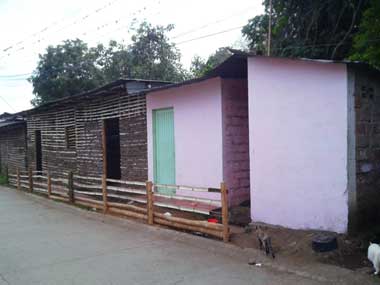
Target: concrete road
pixel 45 242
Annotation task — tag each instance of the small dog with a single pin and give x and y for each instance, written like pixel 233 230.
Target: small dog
pixel 265 241
pixel 374 256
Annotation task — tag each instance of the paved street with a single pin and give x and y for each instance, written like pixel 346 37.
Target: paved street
pixel 45 242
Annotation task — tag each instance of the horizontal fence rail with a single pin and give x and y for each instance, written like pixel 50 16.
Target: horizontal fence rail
pixel 142 200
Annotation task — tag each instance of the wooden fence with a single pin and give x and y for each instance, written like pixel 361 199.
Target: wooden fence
pixel 130 198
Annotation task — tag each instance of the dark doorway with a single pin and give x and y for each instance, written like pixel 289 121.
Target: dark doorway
pixel 38 150
pixel 113 148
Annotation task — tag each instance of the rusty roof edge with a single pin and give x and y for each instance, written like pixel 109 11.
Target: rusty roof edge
pixel 109 87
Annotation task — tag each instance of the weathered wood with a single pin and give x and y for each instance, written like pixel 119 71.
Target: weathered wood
pixel 224 198
pixel 127 207
pixel 70 187
pixel 18 179
pixel 89 200
pixel 205 224
pixel 218 234
pixel 104 148
pixel 104 192
pixel 88 204
pixel 49 185
pixel 59 198
pixel 127 213
pixel 30 176
pixel 149 204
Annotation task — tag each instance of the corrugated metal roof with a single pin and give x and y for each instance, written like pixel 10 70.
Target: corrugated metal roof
pixel 107 89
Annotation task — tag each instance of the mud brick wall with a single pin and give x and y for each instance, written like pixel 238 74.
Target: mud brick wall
pixel 13 148
pixel 236 139
pixel 89 148
pixel 56 158
pixel 367 117
pixel 87 117
pixel 133 146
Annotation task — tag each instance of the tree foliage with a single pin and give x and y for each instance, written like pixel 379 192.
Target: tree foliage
pixel 199 66
pixel 367 42
pixel 72 67
pixel 64 70
pixel 307 28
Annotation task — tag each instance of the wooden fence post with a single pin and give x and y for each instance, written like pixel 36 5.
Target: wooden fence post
pixel 71 187
pixel 149 204
pixel 30 174
pixel 49 185
pixel 18 179
pixel 104 191
pixel 224 198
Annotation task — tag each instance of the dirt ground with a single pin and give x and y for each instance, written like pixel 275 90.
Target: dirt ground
pixel 296 244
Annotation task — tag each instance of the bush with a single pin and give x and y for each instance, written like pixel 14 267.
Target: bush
pixel 3 179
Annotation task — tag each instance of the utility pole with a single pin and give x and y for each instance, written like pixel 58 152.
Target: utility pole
pixel 270 27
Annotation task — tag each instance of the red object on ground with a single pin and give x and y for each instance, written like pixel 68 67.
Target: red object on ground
pixel 215 221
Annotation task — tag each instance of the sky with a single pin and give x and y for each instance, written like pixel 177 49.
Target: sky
pixel 27 27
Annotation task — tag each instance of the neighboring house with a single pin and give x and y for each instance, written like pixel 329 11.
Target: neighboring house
pixel 12 143
pixel 198 132
pixel 313 158
pixel 66 135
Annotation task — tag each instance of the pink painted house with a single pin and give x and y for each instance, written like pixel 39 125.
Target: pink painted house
pixel 207 120
pixel 298 138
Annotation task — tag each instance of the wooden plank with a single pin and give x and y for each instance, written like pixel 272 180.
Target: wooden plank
pixel 49 185
pixel 127 213
pixel 205 224
pixel 127 207
pixel 224 198
pixel 149 204
pixel 104 192
pixel 18 179
pixel 70 187
pixel 30 180
pixel 165 222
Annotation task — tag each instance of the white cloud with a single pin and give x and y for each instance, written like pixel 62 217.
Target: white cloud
pixel 21 19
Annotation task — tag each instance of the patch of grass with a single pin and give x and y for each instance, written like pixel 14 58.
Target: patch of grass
pixel 3 179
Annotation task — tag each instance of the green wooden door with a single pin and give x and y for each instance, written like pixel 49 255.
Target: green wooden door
pixel 164 149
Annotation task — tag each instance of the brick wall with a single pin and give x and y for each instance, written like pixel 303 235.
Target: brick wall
pixel 236 139
pixel 367 116
pixel 13 148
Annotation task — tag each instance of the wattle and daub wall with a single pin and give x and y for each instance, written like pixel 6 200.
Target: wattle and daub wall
pixel 12 148
pixel 84 119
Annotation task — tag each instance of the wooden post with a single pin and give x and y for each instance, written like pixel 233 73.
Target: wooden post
pixel 104 148
pixel 224 198
pixel 149 204
pixel 49 185
pixel 104 176
pixel 104 190
pixel 71 187
pixel 30 174
pixel 18 179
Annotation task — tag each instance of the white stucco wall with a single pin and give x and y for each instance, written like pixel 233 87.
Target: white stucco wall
pixel 198 132
pixel 298 143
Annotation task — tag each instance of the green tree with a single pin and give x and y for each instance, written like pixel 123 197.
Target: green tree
pixel 307 28
pixel 200 67
pixel 73 67
pixel 367 41
pixel 153 56
pixel 64 70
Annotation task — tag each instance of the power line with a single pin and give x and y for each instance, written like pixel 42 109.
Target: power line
pixel 8 104
pixel 209 35
pixel 15 75
pixel 211 23
pixel 77 21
